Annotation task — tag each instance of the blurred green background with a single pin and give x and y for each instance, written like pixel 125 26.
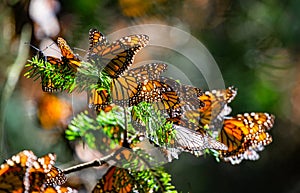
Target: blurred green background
pixel 255 44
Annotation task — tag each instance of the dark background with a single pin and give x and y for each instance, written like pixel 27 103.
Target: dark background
pixel 255 44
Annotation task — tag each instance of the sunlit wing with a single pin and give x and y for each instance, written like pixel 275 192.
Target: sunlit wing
pixel 117 57
pixel 68 56
pixel 214 110
pixel 25 172
pixel 115 180
pixel 189 97
pixel 125 88
pixel 245 135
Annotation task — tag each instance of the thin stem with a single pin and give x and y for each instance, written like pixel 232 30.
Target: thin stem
pixel 94 163
pixel 78 167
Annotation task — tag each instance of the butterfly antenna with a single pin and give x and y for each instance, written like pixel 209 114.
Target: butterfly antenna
pixel 39 51
pixel 27 43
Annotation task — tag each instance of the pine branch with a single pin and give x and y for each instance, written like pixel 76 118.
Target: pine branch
pixel 62 77
pixel 58 76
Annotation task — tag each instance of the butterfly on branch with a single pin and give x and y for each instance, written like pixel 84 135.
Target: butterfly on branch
pixel 160 94
pixel 245 135
pixel 174 135
pixel 124 89
pixel 215 108
pixel 57 74
pixel 189 97
pixel 114 58
pixel 121 180
pixel 68 58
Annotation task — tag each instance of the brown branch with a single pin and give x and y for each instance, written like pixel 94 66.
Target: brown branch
pixel 94 163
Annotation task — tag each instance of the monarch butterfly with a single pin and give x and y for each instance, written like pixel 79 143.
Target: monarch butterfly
pixel 186 92
pixel 184 139
pixel 98 99
pixel 96 37
pixel 245 135
pixel 14 170
pixel 116 180
pixel 25 172
pixel 124 88
pixel 43 173
pixel 68 56
pixel 117 57
pixel 127 90
pixel 194 142
pixel 68 60
pixel 160 94
pixel 189 97
pixel 215 108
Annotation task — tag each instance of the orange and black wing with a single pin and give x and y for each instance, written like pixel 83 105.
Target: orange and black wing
pixel 115 180
pixel 117 57
pixel 38 172
pixel 54 175
pixel 68 56
pixel 97 38
pixel 189 97
pixel 214 110
pixel 43 173
pixel 160 94
pixel 25 172
pixel 99 99
pixel 125 88
pixel 14 174
pixel 244 135
pixel 59 189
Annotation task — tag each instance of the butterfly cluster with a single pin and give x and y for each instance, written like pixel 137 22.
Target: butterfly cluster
pixel 197 120
pixel 24 172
